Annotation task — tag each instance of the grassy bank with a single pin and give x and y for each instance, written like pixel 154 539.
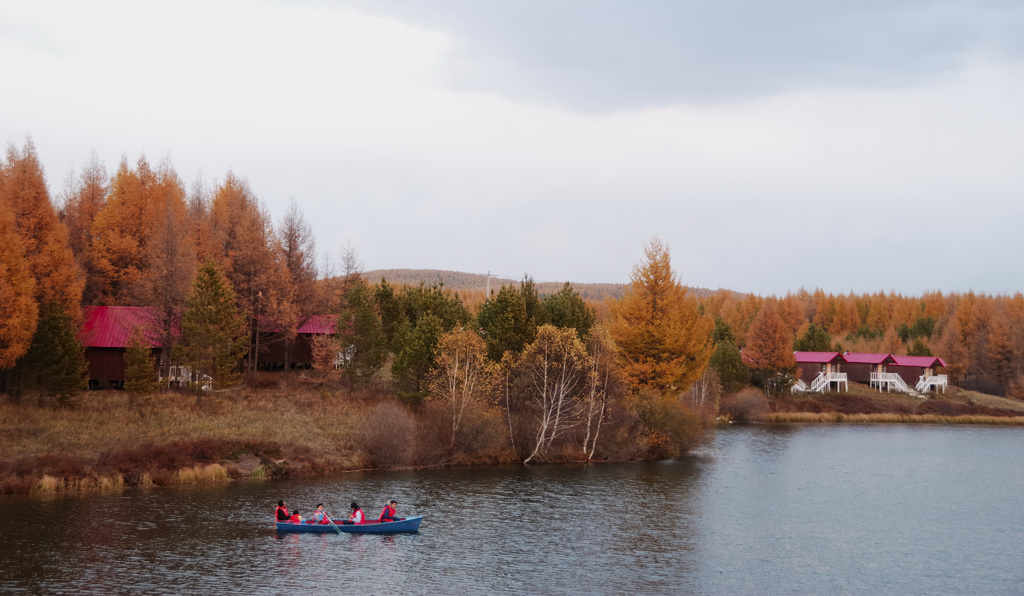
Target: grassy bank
pixel 891 418
pixel 862 404
pixel 106 442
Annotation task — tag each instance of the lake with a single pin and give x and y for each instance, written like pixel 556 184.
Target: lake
pixel 875 509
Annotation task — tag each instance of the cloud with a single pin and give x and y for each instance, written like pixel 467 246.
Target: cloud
pixel 390 128
pixel 601 55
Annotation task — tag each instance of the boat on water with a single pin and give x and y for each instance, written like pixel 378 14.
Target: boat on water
pixel 401 526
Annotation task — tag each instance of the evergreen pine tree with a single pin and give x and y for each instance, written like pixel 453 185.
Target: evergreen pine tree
pixel 55 363
pixel 140 366
pixel 213 331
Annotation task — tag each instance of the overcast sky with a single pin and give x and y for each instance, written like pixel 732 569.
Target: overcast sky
pixel 840 145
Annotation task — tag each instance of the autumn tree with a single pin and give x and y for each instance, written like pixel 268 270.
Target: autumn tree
pixel 556 366
pixel 170 257
pixel 462 377
pixel 82 202
pixel 121 231
pixel 53 362
pixel 325 350
pixel 17 289
pixel 769 349
pixel 954 353
pixel 662 336
pixel 299 253
pixel 44 238
pixel 252 258
pixel 1000 352
pixel 213 330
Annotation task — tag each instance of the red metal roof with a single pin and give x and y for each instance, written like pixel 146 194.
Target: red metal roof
pixel 922 361
pixel 112 326
pixel 319 325
pixel 868 358
pixel 818 357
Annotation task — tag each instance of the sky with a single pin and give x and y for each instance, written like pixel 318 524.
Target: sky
pixel 848 146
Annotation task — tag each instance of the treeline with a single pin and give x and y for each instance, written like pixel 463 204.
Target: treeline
pixel 980 337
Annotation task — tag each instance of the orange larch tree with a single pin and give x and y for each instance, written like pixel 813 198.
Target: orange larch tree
pixel 662 336
pixel 82 202
pixel 119 255
pixel 769 349
pixel 17 291
pixel 44 238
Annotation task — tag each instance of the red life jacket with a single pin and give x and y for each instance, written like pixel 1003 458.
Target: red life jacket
pixel 295 519
pixel 358 517
pixel 388 511
pixel 279 517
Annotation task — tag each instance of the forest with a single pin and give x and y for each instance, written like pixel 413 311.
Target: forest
pixel 612 373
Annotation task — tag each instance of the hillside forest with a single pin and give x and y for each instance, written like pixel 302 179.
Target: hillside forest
pixel 553 370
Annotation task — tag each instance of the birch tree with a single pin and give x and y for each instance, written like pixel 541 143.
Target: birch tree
pixel 603 375
pixel 463 376
pixel 557 367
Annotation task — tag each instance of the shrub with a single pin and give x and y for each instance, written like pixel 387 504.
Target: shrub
pixel 672 428
pixel 748 404
pixel 386 439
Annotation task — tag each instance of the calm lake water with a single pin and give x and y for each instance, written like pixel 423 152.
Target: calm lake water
pixel 764 510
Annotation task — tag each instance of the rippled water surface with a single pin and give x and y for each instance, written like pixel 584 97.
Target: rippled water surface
pixel 764 510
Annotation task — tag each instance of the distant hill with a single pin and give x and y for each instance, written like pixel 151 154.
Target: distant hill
pixel 477 282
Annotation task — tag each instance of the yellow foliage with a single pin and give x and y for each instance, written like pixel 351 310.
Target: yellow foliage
pixel 663 338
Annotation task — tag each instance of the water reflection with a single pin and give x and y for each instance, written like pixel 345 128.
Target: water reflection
pixel 810 510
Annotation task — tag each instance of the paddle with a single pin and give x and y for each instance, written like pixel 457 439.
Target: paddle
pixel 336 528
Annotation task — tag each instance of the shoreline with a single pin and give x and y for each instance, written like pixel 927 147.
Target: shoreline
pixel 888 418
pixel 228 471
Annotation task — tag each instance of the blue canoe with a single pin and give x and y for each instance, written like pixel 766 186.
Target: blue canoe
pixel 402 526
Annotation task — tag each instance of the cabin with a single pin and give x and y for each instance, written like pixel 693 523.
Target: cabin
pixel 274 353
pixel 819 371
pixel 920 372
pixel 105 333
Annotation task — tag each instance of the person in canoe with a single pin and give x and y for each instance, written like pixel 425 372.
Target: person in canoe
pixel 281 513
pixel 320 516
pixel 390 512
pixel 296 518
pixel 357 515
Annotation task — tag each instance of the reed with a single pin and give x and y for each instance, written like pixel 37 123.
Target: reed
pixel 201 474
pixel 48 484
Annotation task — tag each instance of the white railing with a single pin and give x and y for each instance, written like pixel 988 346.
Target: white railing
pixel 926 384
pixel 182 376
pixel 890 380
pixel 799 385
pixel 824 381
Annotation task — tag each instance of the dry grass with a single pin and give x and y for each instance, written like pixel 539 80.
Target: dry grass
pixel 294 415
pixel 834 417
pixel 107 443
pixel 201 474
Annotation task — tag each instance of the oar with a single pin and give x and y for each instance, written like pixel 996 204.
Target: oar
pixel 336 528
